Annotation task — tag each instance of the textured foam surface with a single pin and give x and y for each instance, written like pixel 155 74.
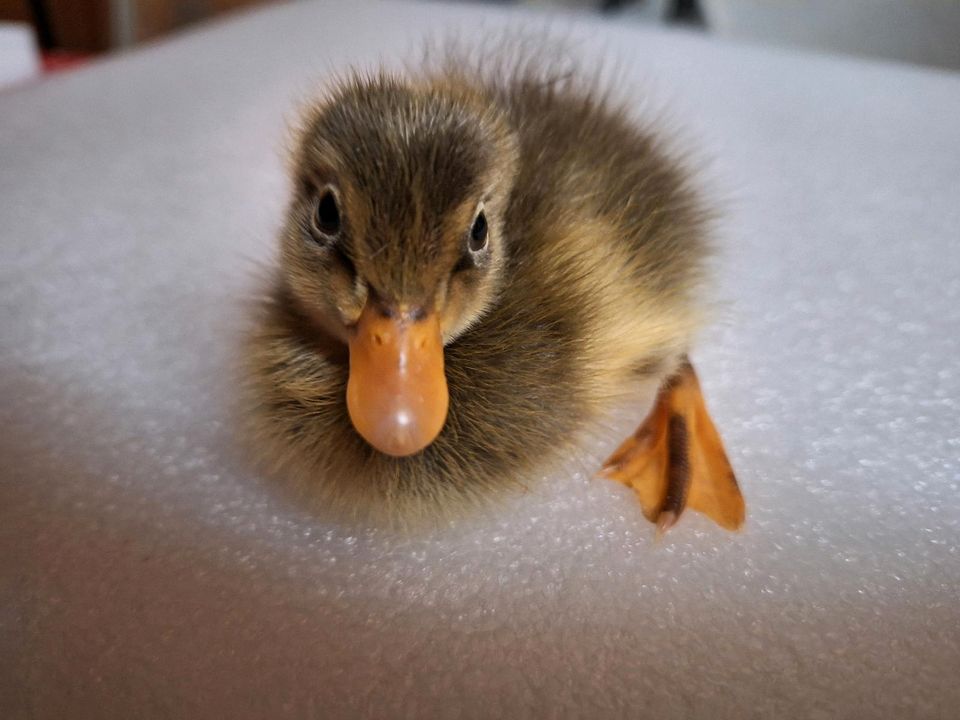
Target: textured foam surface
pixel 147 571
pixel 19 60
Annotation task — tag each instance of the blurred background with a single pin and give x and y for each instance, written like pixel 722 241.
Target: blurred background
pixel 44 36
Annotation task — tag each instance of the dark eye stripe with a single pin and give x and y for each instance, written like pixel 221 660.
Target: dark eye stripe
pixel 466 262
pixel 344 258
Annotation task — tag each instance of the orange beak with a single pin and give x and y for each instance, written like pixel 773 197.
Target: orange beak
pixel 397 392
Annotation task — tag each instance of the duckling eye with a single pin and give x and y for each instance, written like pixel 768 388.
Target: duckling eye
pixel 327 216
pixel 478 233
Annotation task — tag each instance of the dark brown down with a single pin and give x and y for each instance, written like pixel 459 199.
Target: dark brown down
pixel 601 247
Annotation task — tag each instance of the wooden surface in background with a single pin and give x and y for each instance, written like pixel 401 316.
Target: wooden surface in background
pixel 87 25
pixel 15 11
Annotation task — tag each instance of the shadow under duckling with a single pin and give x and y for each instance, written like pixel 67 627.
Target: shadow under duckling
pixel 474 268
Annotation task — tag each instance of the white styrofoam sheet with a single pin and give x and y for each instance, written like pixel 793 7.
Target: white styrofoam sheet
pixel 19 59
pixel 146 570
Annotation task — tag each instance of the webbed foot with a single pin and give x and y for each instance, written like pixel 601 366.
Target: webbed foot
pixel 676 460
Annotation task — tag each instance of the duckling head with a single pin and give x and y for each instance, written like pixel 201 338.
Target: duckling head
pixel 394 241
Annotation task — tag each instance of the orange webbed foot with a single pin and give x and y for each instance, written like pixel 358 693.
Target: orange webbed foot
pixel 676 460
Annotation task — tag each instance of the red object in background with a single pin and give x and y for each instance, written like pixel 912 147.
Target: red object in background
pixel 59 60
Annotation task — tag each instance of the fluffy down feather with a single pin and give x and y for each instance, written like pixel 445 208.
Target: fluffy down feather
pixel 600 245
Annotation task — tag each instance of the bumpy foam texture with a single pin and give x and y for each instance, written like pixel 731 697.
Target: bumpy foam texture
pixel 148 571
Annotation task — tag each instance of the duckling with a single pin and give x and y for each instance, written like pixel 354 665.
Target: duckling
pixel 474 267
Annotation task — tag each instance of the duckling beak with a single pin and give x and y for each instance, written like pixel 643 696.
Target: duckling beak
pixel 397 392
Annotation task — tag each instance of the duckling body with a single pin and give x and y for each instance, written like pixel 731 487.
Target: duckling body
pixel 587 284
